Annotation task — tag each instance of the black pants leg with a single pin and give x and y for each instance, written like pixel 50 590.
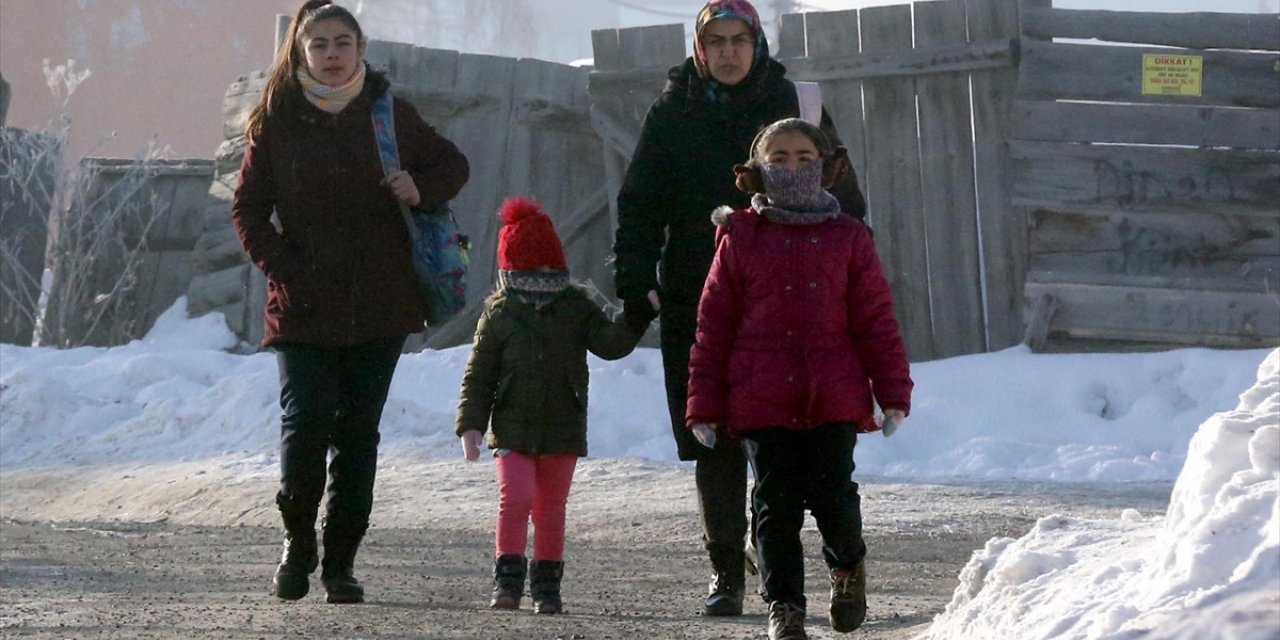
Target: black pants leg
pixel 832 496
pixel 721 473
pixel 333 397
pixel 795 470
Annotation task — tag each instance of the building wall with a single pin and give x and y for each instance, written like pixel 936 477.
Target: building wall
pixel 159 67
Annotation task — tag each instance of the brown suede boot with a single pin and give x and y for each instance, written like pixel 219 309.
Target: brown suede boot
pixel 786 622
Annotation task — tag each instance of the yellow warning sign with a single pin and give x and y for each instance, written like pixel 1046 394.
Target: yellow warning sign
pixel 1171 75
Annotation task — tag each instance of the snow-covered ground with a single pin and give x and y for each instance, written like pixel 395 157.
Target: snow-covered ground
pixel 178 404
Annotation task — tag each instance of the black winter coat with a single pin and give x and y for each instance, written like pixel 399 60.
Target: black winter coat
pixel 527 375
pixel 682 170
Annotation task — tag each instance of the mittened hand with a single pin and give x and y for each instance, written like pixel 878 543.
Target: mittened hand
pixel 298 297
pixel 638 313
pixel 471 441
pixel 705 433
pixel 892 420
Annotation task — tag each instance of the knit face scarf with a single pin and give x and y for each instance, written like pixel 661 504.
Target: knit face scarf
pixel 537 288
pixel 794 196
pixel 331 99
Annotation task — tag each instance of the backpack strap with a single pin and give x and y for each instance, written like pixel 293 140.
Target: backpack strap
pixel 384 132
pixel 809 96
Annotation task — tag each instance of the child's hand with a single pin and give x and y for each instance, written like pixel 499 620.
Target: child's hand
pixel 401 184
pixel 705 433
pixel 892 420
pixel 471 441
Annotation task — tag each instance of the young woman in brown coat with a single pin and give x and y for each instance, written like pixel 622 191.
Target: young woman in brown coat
pixel 341 289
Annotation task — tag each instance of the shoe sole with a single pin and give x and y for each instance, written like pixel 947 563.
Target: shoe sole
pixel 343 599
pixel 290 592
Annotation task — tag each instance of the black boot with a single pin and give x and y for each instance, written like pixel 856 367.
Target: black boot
pixel 725 592
pixel 508 581
pixel 292 581
pixel 848 598
pixel 337 569
pixel 544 585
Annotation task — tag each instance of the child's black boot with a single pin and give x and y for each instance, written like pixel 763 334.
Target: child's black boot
pixel 848 598
pixel 508 581
pixel 725 593
pixel 544 585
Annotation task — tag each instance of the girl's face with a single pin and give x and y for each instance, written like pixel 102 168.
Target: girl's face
pixel 333 51
pixel 790 149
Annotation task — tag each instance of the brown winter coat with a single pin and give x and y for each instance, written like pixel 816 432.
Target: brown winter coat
pixel 339 270
pixel 527 376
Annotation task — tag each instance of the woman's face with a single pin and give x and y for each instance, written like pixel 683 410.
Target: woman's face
pixel 730 48
pixel 333 51
pixel 790 149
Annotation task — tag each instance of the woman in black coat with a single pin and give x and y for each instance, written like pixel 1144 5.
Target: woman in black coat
pixel 695 132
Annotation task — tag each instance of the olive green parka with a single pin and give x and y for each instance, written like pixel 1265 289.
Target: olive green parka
pixel 526 380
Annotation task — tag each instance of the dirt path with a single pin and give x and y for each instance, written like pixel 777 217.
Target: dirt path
pixel 634 570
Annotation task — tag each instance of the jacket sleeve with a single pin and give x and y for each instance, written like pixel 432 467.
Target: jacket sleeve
pixel 438 167
pixel 847 190
pixel 251 210
pixel 480 379
pixel 647 192
pixel 609 339
pixel 874 328
pixel 719 313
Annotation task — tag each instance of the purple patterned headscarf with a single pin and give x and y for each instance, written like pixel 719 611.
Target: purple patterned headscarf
pixel 717 9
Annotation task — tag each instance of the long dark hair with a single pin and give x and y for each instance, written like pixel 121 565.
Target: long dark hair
pixel 282 77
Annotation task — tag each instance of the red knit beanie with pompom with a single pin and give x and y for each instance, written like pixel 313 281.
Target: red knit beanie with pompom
pixel 528 240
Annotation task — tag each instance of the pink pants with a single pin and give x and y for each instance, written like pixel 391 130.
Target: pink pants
pixel 537 485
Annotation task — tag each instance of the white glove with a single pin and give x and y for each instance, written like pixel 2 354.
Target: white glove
pixel 706 434
pixel 892 420
pixel 471 441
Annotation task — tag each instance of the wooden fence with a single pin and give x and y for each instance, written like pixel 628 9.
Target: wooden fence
pixel 1151 177
pixel 524 125
pixel 933 180
pixel 28 173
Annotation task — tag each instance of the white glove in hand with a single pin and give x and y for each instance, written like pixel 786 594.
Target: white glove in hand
pixel 471 441
pixel 892 420
pixel 706 434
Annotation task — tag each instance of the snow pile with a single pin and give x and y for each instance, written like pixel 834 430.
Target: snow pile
pixel 1210 570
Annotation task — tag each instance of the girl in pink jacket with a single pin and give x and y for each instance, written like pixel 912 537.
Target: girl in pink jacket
pixel 796 340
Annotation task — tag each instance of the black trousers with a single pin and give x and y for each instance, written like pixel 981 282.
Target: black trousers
pixel 721 473
pixel 332 399
pixel 795 470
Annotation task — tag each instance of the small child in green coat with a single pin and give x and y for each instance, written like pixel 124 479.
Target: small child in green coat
pixel 526 383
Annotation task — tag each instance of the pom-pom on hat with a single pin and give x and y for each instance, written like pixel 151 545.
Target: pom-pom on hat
pixel 528 240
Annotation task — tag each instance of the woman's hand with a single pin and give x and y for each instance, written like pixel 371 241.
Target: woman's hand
pixel 471 441
pixel 402 186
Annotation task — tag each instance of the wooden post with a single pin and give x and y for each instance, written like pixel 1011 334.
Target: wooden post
pixel 4 100
pixel 282 31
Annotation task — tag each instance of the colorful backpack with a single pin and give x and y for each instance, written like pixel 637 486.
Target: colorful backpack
pixel 439 248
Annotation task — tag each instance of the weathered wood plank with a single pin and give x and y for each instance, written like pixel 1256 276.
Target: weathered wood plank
pixel 1199 30
pixel 1002 227
pixel 836 34
pixel 484 136
pixel 604 48
pixel 1146 124
pixel 1053 175
pixel 661 44
pixel 1210 318
pixel 1058 71
pixel 946 172
pixel 791 37
pixel 876 64
pixel 893 180
pixel 1240 253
